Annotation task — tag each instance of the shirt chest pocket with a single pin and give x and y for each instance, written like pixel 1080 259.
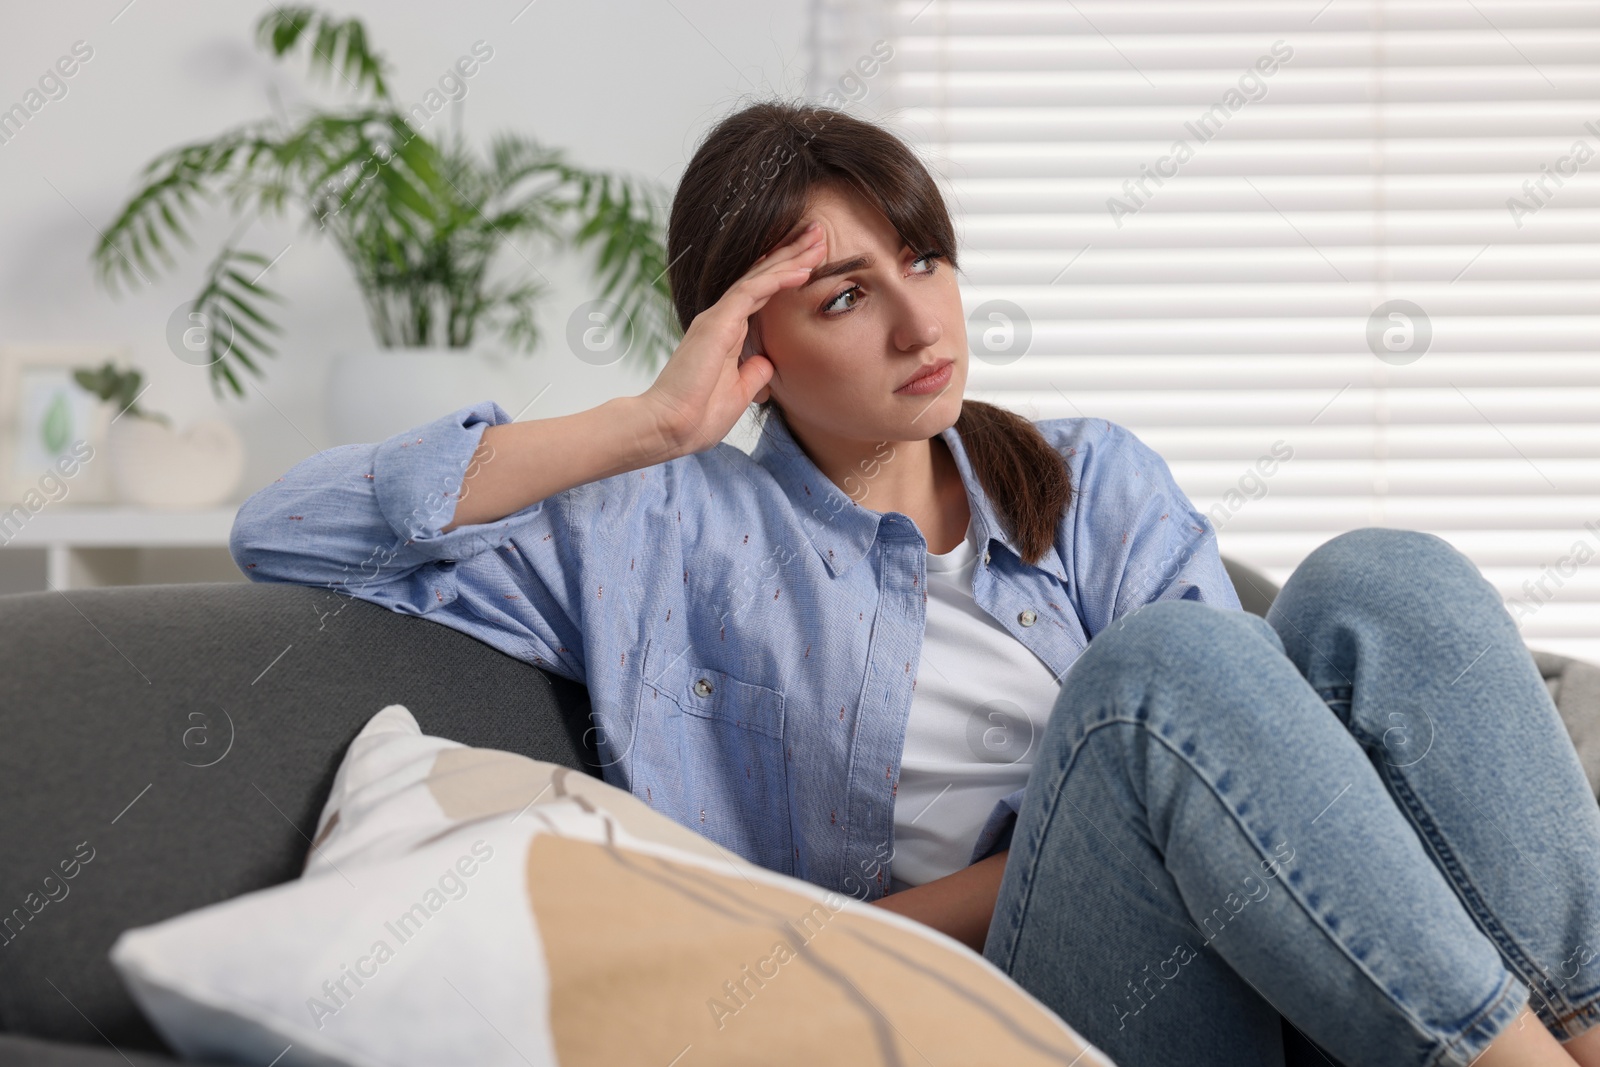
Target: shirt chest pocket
pixel 712 757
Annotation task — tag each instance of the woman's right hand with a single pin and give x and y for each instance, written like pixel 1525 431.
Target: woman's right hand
pixel 705 386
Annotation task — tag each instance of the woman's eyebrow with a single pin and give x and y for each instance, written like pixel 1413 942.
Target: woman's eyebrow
pixel 839 266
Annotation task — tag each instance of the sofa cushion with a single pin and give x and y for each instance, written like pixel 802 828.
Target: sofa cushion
pixel 171 746
pixel 19 1051
pixel 1255 590
pixel 1575 686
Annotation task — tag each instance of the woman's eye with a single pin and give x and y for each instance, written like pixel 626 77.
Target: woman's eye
pixel 833 305
pixel 836 307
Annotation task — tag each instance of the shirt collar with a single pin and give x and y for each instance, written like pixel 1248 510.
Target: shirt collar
pixel 841 530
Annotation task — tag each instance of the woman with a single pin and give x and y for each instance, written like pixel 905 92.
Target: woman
pixel 1362 812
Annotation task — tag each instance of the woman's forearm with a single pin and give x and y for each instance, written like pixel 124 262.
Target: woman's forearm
pixel 518 464
pixel 960 904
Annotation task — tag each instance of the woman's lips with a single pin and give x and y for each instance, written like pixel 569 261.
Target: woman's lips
pixel 930 383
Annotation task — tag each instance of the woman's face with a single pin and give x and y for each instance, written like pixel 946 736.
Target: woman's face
pixel 874 314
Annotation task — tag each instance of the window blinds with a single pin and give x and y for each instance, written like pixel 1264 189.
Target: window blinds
pixel 1336 261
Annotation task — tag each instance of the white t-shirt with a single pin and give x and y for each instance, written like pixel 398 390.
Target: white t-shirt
pixel 978 711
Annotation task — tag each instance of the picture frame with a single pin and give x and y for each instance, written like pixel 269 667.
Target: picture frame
pixel 49 424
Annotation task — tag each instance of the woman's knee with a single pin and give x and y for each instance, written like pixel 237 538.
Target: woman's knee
pixel 1173 644
pixel 1166 677
pixel 1411 551
pixel 1408 577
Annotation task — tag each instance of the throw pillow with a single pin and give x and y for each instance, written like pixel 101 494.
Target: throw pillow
pixel 464 905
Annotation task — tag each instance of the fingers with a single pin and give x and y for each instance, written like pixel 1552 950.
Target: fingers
pixel 788 263
pixel 750 295
pixel 784 267
pixel 803 242
pixel 802 260
pixel 754 372
pixel 789 266
pixel 804 235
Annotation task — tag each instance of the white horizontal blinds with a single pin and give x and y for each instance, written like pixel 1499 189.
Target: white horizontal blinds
pixel 1226 309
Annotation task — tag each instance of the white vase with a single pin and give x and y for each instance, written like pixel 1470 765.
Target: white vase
pixel 374 394
pixel 156 466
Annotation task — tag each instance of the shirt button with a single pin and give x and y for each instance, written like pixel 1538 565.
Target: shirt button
pixel 1027 617
pixel 986 559
pixel 702 687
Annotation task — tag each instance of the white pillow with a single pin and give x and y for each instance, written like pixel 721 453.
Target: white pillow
pixel 469 906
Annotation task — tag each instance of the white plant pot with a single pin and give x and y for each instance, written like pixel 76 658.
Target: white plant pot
pixel 156 466
pixel 374 394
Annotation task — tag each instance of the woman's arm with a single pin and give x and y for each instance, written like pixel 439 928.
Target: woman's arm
pixel 960 904
pixel 361 521
pixel 702 392
pixel 518 464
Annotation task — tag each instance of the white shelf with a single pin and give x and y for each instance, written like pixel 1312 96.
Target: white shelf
pixel 113 525
pixel 97 545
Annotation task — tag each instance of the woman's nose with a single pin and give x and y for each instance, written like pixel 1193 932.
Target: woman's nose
pixel 918 328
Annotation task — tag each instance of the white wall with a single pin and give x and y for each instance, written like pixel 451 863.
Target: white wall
pixel 619 85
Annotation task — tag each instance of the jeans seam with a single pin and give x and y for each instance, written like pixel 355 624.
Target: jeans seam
pixel 1025 893
pixel 1447 1043
pixel 1446 858
pixel 1562 1007
pixel 1510 986
pixel 1586 1011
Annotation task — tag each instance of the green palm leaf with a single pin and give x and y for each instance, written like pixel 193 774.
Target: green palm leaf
pixel 442 241
pixel 284 27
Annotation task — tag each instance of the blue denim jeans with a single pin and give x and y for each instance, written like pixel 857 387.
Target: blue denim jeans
pixel 1361 814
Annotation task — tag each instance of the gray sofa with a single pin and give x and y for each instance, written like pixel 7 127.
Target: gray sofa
pixel 184 738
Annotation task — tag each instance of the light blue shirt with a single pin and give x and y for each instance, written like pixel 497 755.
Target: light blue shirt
pixel 748 633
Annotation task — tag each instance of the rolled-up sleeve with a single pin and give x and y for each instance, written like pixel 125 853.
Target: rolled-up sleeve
pixel 365 520
pixel 418 479
pixel 996 831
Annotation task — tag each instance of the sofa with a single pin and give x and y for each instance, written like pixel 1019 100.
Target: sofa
pixel 172 746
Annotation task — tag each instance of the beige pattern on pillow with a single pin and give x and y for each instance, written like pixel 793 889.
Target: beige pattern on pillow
pixel 475 783
pixel 646 939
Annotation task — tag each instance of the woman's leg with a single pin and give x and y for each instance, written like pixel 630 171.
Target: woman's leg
pixel 1412 649
pixel 1204 845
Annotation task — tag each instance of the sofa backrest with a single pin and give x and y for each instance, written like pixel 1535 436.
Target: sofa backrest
pixel 1256 591
pixel 172 745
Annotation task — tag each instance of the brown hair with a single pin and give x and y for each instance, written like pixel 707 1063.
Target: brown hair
pixel 747 187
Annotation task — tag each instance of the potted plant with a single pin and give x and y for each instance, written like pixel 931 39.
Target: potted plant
pixel 154 465
pixel 423 222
